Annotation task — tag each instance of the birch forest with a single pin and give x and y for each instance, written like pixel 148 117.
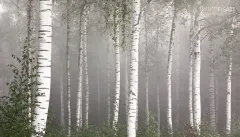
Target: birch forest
pixel 119 68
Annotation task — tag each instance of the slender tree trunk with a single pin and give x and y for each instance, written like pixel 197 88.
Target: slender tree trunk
pixel 44 69
pixel 80 77
pixel 190 73
pixel 196 82
pixel 62 99
pixel 126 84
pixel 229 91
pixel 211 88
pixel 158 111
pixel 117 70
pixel 29 48
pixel 146 71
pixel 19 26
pixel 85 66
pixel 217 103
pixel 177 86
pixel 68 71
pixel 98 95
pixel 169 72
pixel 108 87
pixel 133 93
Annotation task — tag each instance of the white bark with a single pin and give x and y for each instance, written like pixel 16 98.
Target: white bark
pixel 117 71
pixel 80 77
pixel 211 88
pixel 133 92
pixel 229 84
pixel 84 41
pixel 228 101
pixel 158 111
pixel 44 69
pixel 190 73
pixel 62 99
pixel 68 71
pixel 196 82
pixel 169 72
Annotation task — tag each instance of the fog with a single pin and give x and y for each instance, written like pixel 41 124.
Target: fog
pixel 98 41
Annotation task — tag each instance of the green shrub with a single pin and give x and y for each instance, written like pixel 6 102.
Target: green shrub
pixel 15 120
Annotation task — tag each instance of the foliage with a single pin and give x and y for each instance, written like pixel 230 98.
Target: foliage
pixel 148 130
pixel 15 120
pixel 207 132
pixel 53 129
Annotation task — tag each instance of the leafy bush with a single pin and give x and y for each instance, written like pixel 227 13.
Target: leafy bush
pixel 15 108
pixel 148 130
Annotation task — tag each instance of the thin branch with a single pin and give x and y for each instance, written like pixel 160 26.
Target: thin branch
pixel 15 4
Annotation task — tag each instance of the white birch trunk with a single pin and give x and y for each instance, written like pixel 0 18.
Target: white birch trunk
pixel 228 101
pixel 68 71
pixel 80 77
pixel 84 41
pixel 196 82
pixel 133 93
pixel 117 71
pixel 211 88
pixel 158 111
pixel 62 99
pixel 169 72
pixel 190 73
pixel 44 69
pixel 229 84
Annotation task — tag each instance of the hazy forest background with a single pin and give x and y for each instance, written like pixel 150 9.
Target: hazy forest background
pixel 104 68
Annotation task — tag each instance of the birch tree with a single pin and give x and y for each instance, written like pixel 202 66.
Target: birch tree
pixel 177 85
pixel 117 66
pixel 169 70
pixel 80 76
pixel 229 91
pixel 190 73
pixel 19 26
pixel 217 102
pixel 68 69
pixel 146 69
pixel 62 99
pixel 44 69
pixel 85 60
pixel 229 80
pixel 133 89
pixel 158 110
pixel 126 83
pixel 98 91
pixel 108 86
pixel 211 87
pixel 30 42
pixel 196 72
